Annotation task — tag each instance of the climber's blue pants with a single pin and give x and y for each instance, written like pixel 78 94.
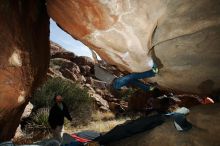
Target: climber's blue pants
pixel 133 79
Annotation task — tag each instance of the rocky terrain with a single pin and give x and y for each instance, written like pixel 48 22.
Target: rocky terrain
pixel 68 66
pixel 182 37
pixel 80 69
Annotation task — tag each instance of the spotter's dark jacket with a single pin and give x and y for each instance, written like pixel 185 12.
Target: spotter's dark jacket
pixel 56 115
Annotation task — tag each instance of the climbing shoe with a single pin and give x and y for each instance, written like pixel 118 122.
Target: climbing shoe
pixel 155 68
pixel 152 88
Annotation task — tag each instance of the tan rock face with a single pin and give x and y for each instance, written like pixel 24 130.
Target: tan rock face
pixel 24 57
pixel 184 37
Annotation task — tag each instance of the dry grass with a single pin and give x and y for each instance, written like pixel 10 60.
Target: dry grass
pixel 101 122
pixel 104 116
pixel 30 138
pixel 22 140
pixel 99 126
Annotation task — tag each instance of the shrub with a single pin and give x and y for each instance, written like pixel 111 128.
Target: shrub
pixel 39 120
pixel 38 127
pixel 57 62
pixel 77 99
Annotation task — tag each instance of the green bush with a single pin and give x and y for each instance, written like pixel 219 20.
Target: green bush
pixel 38 127
pixel 39 120
pixel 57 62
pixel 77 99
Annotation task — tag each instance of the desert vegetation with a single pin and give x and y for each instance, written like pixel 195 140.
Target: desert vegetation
pixel 81 107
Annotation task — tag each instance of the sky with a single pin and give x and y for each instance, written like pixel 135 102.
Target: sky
pixel 60 37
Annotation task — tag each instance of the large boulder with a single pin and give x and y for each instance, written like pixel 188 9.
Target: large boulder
pixel 85 70
pixel 24 58
pixel 26 114
pixel 183 37
pixel 205 120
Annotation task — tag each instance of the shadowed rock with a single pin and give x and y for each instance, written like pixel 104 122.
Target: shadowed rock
pixel 205 120
pixel 24 58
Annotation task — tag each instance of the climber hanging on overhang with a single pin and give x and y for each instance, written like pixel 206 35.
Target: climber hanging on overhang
pixel 133 79
pixel 130 79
